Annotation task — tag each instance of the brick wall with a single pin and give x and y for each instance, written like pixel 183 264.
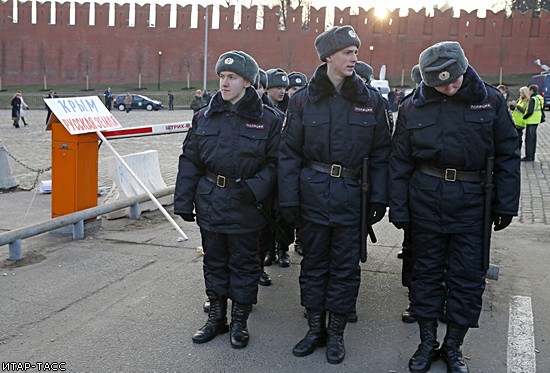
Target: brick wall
pixel 118 53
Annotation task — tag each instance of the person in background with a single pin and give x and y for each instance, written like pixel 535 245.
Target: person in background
pixel 261 89
pixel 399 94
pixel 532 117
pixel 24 107
pixel 296 80
pixel 267 239
pixel 277 82
pixel 228 164
pixel 128 102
pixel 437 191
pixel 320 164
pixel 15 108
pixel 51 94
pixel 364 70
pixel 170 101
pixel 519 108
pixel 198 101
pixel 391 99
pixel 504 90
pixel 406 252
pixel 108 96
pixel 206 96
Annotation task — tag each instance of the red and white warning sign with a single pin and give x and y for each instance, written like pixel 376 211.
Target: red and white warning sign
pixel 82 114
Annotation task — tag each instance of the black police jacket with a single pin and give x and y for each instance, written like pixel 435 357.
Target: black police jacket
pixel 457 132
pixel 238 142
pixel 325 126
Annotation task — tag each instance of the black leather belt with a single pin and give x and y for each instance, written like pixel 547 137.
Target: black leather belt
pixel 334 170
pixel 222 181
pixel 452 174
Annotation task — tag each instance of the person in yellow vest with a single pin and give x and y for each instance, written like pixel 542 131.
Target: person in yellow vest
pixel 519 108
pixel 532 118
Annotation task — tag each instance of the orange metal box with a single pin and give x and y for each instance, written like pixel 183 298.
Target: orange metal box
pixel 74 171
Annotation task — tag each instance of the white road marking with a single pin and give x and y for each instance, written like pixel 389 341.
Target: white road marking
pixel 521 337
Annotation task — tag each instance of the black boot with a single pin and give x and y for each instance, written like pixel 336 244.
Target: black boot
pixel 270 256
pixel 451 352
pixel 283 256
pixel 239 330
pixel 206 306
pixel 315 337
pixel 216 323
pixel 427 351
pixel 336 352
pixel 407 315
pixel 265 280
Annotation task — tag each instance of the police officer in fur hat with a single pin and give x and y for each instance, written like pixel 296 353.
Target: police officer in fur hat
pixel 296 80
pixel 446 133
pixel 331 125
pixel 406 252
pixel 364 70
pixel 277 82
pixel 220 185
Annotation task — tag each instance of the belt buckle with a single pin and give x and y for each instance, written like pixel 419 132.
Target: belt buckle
pixel 335 170
pixel 452 172
pixel 220 181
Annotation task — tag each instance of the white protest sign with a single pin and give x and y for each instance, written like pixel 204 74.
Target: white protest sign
pixel 82 114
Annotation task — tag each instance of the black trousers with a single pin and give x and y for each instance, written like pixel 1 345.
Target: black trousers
pixel 231 265
pixel 266 243
pixel 448 274
pixel 330 274
pixel 407 265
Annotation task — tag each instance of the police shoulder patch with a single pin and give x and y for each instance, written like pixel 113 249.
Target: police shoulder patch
pixel 487 106
pixel 254 126
pixel 363 109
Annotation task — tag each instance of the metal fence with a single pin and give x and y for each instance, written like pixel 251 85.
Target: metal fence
pixel 76 220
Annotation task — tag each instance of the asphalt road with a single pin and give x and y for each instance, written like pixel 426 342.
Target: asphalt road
pixel 129 296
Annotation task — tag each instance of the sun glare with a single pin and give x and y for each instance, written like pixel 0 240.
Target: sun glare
pixel 380 11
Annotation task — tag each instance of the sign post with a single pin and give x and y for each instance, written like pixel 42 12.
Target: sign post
pixel 82 117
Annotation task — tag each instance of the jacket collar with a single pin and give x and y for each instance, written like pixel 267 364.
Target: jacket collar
pixel 249 106
pixel 472 90
pixel 353 88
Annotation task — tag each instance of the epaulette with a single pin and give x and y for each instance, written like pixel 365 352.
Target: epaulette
pixel 275 111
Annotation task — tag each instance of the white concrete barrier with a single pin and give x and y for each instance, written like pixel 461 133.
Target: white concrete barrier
pixel 7 179
pixel 146 166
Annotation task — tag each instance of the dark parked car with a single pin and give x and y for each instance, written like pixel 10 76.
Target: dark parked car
pixel 543 81
pixel 138 102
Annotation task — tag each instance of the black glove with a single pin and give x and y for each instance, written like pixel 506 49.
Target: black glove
pixel 246 195
pixel 501 221
pixel 188 217
pixel 376 213
pixel 401 224
pixel 291 215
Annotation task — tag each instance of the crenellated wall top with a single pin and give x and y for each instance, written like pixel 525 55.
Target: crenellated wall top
pixel 166 13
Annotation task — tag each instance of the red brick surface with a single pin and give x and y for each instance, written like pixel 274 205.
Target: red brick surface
pixel 67 53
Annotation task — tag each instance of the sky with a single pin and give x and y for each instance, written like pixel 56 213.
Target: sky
pixel 467 5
